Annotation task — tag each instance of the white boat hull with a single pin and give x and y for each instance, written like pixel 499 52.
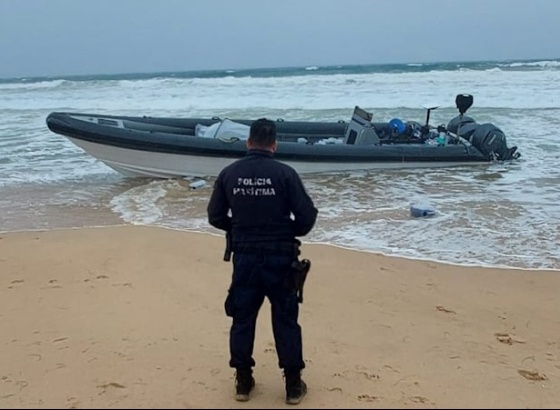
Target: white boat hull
pixel 138 163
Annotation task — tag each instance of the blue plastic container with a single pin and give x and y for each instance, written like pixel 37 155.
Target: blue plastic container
pixel 398 125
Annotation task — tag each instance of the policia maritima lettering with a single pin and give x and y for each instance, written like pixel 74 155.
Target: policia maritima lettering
pixel 269 208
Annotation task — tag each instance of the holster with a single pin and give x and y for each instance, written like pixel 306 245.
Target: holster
pixel 300 269
pixel 229 304
pixel 227 252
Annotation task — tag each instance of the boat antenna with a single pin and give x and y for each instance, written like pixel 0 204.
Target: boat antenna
pixel 429 109
pixel 463 102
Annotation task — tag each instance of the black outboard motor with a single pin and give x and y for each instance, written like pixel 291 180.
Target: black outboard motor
pixel 491 141
pixel 463 102
pixel 459 122
pixel 487 138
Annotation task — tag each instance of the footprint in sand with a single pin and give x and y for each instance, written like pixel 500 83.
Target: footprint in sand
pixel 368 397
pixel 369 375
pixel 126 284
pixel 72 403
pixel 418 399
pixel 110 386
pixel 15 282
pixel 445 310
pixel 532 375
pixel 507 338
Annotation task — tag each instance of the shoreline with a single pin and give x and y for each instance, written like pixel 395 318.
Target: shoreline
pixel 132 317
pixel 327 244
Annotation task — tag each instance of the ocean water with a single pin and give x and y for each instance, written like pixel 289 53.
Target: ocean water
pixel 504 215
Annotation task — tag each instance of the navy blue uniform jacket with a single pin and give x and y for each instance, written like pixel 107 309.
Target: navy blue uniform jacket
pixel 267 199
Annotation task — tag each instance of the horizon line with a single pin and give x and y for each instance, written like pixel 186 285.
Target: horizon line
pixel 57 76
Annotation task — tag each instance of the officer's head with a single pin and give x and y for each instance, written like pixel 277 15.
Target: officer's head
pixel 262 135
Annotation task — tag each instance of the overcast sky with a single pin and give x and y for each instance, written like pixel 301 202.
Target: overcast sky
pixel 58 37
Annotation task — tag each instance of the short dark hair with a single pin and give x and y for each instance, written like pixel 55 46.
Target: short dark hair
pixel 263 133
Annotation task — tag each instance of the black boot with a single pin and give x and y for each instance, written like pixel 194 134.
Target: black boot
pixel 295 387
pixel 244 384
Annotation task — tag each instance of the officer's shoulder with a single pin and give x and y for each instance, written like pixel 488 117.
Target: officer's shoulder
pixel 231 167
pixel 285 168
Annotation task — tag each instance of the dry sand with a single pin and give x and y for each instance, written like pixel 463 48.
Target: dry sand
pixel 132 317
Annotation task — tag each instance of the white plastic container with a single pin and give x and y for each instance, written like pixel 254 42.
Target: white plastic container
pixel 197 184
pixel 421 210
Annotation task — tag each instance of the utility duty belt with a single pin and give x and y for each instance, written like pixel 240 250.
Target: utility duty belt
pixel 287 248
pixel 290 248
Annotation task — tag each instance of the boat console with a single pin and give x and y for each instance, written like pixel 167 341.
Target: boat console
pixel 360 130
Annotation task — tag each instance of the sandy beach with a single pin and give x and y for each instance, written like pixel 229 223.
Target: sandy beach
pixel 132 317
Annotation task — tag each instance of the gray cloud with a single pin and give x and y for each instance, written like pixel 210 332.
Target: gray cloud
pixel 57 37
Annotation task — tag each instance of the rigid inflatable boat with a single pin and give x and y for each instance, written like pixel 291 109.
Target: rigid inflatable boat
pixel 181 147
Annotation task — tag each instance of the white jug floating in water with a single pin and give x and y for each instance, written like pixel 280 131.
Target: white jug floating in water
pixel 197 184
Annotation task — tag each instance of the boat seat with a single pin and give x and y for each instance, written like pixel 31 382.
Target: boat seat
pixel 360 130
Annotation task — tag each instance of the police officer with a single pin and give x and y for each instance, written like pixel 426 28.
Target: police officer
pixel 269 209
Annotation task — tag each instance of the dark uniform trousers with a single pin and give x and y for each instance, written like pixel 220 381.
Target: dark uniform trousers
pixel 258 274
